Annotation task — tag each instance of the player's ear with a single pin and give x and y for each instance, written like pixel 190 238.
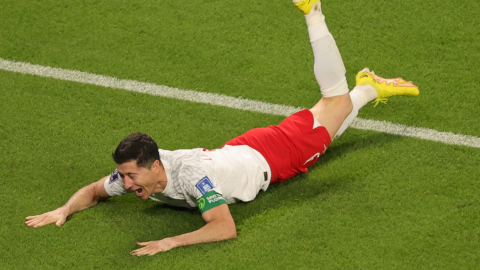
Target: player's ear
pixel 155 166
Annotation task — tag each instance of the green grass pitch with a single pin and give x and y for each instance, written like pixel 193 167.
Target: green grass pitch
pixel 373 201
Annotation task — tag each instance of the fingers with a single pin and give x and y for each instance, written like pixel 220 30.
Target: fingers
pixel 144 251
pixel 148 249
pixel 140 252
pixel 30 220
pixel 35 221
pixel 42 220
pixel 60 222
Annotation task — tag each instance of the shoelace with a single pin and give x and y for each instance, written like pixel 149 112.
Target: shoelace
pixel 378 100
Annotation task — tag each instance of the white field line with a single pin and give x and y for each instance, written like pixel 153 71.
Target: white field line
pixel 227 101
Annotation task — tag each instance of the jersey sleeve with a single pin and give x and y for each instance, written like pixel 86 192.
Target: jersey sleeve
pixel 114 184
pixel 199 182
pixel 210 200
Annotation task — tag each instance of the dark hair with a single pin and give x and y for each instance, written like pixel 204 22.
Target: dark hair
pixel 137 146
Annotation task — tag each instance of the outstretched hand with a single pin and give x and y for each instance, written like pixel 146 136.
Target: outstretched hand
pixel 57 216
pixel 153 247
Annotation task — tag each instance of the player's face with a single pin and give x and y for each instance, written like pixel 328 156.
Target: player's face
pixel 138 179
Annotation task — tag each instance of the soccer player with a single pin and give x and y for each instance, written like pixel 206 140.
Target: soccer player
pixel 212 179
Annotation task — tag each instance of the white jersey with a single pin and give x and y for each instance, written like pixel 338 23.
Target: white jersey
pixel 236 172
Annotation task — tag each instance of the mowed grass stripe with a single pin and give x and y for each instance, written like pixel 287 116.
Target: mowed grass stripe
pixel 227 101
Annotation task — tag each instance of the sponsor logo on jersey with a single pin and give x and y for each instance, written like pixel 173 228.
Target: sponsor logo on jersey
pixel 201 203
pixel 209 201
pixel 114 176
pixel 214 198
pixel 204 185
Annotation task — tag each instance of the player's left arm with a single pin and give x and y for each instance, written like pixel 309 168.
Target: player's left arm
pixel 220 226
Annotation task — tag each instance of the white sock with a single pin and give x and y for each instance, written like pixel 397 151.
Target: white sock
pixel 328 68
pixel 360 96
pixel 364 94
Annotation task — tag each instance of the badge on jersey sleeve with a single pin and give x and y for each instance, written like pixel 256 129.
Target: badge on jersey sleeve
pixel 210 200
pixel 204 185
pixel 114 176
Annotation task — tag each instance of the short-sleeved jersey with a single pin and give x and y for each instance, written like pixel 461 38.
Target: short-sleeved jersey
pixel 237 173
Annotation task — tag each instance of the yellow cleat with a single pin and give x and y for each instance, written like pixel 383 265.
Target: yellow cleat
pixel 305 5
pixel 386 87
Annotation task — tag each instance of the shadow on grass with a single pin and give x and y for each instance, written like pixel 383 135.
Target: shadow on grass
pixel 171 221
pixel 306 186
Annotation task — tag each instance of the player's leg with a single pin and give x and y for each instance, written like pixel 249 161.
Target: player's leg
pixel 332 112
pixel 360 96
pixel 335 104
pixel 337 109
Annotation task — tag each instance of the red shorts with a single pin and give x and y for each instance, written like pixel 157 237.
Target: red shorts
pixel 289 148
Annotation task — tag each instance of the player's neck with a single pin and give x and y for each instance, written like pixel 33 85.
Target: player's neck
pixel 162 180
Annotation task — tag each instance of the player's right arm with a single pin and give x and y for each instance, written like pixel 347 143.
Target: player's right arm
pixel 86 197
